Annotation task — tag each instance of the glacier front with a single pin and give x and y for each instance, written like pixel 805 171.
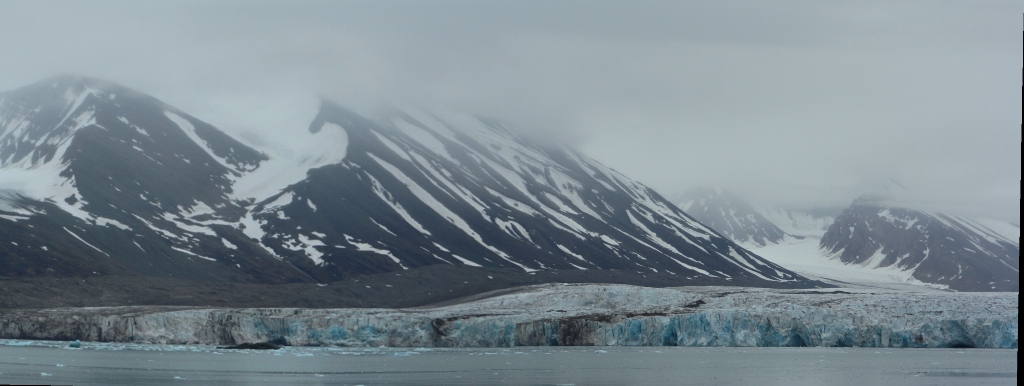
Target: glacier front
pixel 563 315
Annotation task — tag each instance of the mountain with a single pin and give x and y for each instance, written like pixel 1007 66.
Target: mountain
pixel 731 216
pixel 449 188
pixel 954 251
pixel 98 181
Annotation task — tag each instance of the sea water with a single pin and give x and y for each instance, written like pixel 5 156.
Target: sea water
pixel 49 362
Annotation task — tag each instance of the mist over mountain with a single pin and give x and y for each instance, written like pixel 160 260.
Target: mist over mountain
pixel 814 103
pixel 731 216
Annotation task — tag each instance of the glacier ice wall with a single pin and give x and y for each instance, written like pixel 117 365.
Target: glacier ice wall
pixel 558 315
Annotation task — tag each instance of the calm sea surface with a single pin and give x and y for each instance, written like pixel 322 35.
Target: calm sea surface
pixel 23 362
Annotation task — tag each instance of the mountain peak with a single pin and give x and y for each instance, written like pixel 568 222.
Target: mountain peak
pixel 70 87
pixel 331 112
pixel 730 215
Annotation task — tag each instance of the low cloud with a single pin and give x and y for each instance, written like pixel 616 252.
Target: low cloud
pixel 800 103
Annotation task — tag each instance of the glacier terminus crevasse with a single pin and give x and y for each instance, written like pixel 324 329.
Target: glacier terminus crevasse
pixel 562 315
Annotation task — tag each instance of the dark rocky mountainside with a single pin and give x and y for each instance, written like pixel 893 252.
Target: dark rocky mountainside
pixel 99 180
pixel 938 248
pixel 425 191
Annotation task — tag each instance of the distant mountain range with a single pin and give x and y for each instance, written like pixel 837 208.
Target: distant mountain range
pixel 938 248
pixel 874 234
pixel 97 180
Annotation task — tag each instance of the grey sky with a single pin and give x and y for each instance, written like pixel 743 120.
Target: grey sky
pixel 790 102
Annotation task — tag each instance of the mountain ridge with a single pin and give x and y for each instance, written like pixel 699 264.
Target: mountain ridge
pixel 138 187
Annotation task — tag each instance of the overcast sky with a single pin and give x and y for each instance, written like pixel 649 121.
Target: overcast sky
pixel 801 103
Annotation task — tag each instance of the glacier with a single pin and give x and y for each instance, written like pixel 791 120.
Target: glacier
pixel 568 315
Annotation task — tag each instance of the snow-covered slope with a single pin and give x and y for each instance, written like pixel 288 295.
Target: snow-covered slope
pixel 730 216
pixel 98 179
pixel 936 248
pixel 805 257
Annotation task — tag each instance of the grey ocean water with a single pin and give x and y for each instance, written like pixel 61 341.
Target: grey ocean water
pixel 126 364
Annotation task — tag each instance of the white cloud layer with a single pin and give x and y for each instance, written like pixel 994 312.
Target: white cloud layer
pixel 792 102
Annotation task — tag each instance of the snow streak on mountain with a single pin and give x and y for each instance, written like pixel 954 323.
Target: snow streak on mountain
pixel 954 251
pixel 98 179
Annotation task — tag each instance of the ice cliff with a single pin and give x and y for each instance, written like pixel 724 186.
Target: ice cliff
pixel 550 315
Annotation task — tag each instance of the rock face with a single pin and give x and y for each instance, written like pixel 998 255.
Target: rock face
pixel 937 248
pixel 97 179
pixel 730 216
pixel 569 315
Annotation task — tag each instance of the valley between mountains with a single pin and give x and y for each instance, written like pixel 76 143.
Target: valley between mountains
pixel 877 242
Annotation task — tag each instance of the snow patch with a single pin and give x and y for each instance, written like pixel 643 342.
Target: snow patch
pixel 570 252
pixel 190 130
pixel 187 252
pixel 291 158
pixel 86 243
pixel 466 262
pixel 370 248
